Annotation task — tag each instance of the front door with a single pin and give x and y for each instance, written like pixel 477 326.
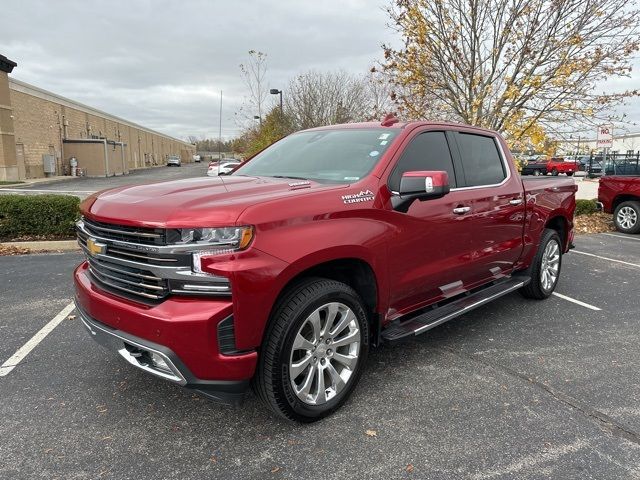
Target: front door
pixel 427 254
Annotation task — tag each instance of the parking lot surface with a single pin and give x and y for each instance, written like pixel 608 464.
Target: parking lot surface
pixel 516 389
pixel 84 186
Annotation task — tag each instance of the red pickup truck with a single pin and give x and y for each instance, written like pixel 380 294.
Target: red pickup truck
pixel 282 274
pixel 620 195
pixel 554 166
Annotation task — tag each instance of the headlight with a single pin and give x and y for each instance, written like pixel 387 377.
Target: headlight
pixel 226 238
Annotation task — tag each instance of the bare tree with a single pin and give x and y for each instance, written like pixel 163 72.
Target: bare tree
pixel 254 75
pixel 524 67
pixel 322 98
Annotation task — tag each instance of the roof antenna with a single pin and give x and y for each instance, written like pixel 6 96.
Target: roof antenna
pixel 389 120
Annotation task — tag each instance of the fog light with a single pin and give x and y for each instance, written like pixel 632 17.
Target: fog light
pixel 159 362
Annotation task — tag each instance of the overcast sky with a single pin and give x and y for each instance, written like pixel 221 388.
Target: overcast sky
pixel 163 63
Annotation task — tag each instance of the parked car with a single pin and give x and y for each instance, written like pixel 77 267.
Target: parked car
pixel 224 168
pixel 554 166
pixel 174 161
pixel 196 158
pixel 325 243
pixel 620 195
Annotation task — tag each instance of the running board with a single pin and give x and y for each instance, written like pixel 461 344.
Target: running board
pixel 432 318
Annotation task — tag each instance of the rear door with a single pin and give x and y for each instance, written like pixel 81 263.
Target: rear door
pixel 495 197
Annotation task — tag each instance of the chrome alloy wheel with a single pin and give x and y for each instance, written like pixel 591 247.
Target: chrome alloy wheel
pixel 627 217
pixel 550 265
pixel 325 353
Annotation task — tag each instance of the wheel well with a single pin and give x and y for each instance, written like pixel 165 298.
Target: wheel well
pixel 623 198
pixel 559 224
pixel 354 272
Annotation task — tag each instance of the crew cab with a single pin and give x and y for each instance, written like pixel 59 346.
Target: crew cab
pixel 554 166
pixel 284 273
pixel 620 195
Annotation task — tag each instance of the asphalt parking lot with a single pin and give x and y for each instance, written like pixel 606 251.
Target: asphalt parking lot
pixel 515 389
pixel 84 186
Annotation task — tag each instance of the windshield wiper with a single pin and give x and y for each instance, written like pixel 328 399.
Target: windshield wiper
pixel 288 176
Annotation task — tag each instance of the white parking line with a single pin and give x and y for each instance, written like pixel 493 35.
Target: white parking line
pixel 628 237
pixel 23 351
pixel 578 302
pixel 606 258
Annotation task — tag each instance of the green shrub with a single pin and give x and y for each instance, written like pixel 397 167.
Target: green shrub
pixel 586 207
pixel 38 215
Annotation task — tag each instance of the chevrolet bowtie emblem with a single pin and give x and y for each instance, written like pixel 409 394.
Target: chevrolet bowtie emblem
pixel 95 248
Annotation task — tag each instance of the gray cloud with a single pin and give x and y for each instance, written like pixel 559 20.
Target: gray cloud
pixel 163 63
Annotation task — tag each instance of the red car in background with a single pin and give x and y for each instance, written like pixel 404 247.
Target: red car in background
pixel 620 195
pixel 554 166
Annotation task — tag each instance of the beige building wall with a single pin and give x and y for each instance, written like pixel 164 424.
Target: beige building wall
pixel 43 121
pixel 8 155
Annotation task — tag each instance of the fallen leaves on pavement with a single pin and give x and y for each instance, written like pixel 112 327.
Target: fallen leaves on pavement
pixel 11 250
pixel 371 433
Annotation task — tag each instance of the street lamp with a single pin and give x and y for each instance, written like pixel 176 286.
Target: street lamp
pixel 258 117
pixel 275 91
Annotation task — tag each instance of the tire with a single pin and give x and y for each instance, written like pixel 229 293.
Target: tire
pixel 554 172
pixel 296 343
pixel 537 173
pixel 569 174
pixel 626 217
pixel 538 288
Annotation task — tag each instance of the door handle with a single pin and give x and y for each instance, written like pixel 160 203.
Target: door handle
pixel 515 201
pixel 461 210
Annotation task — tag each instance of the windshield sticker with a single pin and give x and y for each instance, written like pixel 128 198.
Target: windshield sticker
pixel 383 136
pixel 363 196
pixel 375 153
pixel 384 142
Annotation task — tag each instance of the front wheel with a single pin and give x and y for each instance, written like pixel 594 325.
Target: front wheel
pixel 554 172
pixel 626 217
pixel 545 268
pixel 537 173
pixel 314 350
pixel 569 174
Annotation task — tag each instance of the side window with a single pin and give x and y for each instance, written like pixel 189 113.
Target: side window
pixel 428 151
pixel 481 160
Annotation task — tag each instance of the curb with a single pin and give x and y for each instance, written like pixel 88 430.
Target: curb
pixel 66 245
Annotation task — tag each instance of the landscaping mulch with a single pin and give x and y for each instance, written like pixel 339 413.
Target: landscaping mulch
pixel 594 223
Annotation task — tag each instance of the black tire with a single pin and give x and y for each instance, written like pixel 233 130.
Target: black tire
pixel 272 382
pixel 569 174
pixel 535 288
pixel 554 172
pixel 626 210
pixel 537 173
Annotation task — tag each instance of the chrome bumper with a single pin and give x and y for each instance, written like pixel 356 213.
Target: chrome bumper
pixel 137 353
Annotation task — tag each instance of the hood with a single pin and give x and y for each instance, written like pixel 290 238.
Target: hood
pixel 209 201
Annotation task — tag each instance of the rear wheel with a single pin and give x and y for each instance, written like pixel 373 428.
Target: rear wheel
pixel 626 217
pixel 569 174
pixel 537 173
pixel 314 350
pixel 545 269
pixel 554 172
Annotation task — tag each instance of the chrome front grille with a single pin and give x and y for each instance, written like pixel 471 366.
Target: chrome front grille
pixel 142 271
pixel 127 279
pixel 144 236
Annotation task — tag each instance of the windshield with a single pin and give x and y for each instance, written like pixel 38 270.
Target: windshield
pixel 339 156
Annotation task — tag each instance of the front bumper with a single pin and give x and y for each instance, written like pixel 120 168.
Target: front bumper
pixel 182 331
pixel 141 354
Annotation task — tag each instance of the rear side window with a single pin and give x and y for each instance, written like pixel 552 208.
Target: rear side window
pixel 428 151
pixel 481 160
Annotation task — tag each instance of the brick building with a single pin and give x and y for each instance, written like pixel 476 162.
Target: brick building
pixel 40 131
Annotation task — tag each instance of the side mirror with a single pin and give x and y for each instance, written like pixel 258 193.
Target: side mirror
pixel 423 185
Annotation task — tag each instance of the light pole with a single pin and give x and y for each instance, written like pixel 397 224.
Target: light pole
pixel 258 117
pixel 275 91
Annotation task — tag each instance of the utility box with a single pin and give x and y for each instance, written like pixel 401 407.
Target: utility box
pixel 49 164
